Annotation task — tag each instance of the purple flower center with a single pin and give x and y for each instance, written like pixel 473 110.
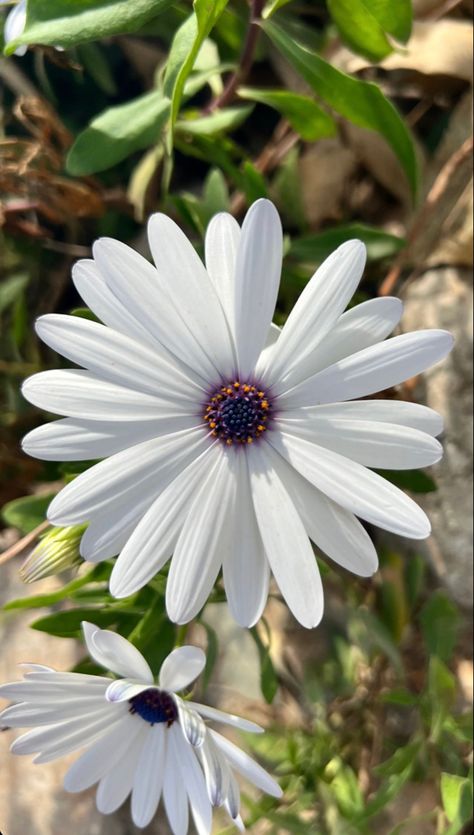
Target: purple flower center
pixel 154 706
pixel 238 413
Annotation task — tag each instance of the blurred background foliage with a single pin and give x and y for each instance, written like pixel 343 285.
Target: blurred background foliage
pixel 338 111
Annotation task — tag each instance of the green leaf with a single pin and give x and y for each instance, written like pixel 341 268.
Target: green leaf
pixel 92 56
pixel 212 652
pixel 217 122
pixel 363 24
pixel 315 248
pixel 414 480
pixel 184 51
pixel 99 574
pixel 215 193
pixel 69 22
pixel 26 513
pixel 305 117
pixel 118 132
pixel 440 622
pixel 68 624
pixel 268 677
pixel 361 102
pixel 10 290
pixel 456 795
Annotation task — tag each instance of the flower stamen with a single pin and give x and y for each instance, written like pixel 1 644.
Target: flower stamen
pixel 238 412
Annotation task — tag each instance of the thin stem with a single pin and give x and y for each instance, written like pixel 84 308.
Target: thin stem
pixel 23 543
pixel 245 61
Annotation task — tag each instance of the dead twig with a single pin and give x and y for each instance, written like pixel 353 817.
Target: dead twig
pixel 434 195
pixel 23 543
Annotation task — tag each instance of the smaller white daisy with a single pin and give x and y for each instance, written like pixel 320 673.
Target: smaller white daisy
pixel 140 737
pixel 15 24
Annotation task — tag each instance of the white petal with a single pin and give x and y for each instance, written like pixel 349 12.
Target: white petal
pixel 380 411
pixel 195 297
pixel 332 528
pixel 353 486
pixel 94 290
pixel 117 784
pixel 357 328
pixel 373 369
pixel 181 667
pixel 380 445
pixel 106 535
pixel 149 775
pixel 222 240
pixel 118 358
pixel 153 540
pixel 149 465
pixel 71 439
pixel 226 718
pixel 14 26
pixel 115 653
pixel 79 394
pixel 246 766
pixel 202 544
pixel 25 715
pixel 246 570
pixel 286 542
pixel 257 279
pixel 183 759
pixel 233 802
pixel 98 760
pixel 216 771
pixel 317 309
pixel 53 741
pixel 271 340
pixel 124 689
pixel 191 724
pixel 175 799
pixel 147 296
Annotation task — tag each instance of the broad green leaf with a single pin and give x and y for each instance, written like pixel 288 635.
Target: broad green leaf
pixel 10 290
pixel 118 132
pixel 440 622
pixel 184 51
pixel 456 795
pixel 218 122
pixel 215 193
pixel 303 114
pixel 69 22
pixel 315 248
pixel 364 24
pixel 26 513
pixel 361 102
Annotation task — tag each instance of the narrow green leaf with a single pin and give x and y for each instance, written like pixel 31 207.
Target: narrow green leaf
pixel 26 513
pixel 10 290
pixel 68 624
pixel 361 102
pixel 456 795
pixel 184 51
pixel 99 574
pixel 218 122
pixel 303 114
pixel 315 248
pixel 69 22
pixel 268 677
pixel 212 652
pixel 118 132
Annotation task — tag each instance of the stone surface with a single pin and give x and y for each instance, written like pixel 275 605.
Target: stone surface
pixel 442 298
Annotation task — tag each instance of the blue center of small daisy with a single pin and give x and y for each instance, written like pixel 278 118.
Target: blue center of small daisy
pixel 154 706
pixel 238 413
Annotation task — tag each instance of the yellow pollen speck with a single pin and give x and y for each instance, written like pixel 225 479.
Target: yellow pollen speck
pixel 236 384
pixel 214 434
pixel 228 390
pixel 252 388
pixel 249 440
pixel 261 393
pixel 229 441
pixel 261 428
pixel 264 404
pixel 213 424
pixel 246 389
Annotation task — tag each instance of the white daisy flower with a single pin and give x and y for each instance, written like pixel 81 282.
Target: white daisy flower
pixel 140 737
pixel 227 442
